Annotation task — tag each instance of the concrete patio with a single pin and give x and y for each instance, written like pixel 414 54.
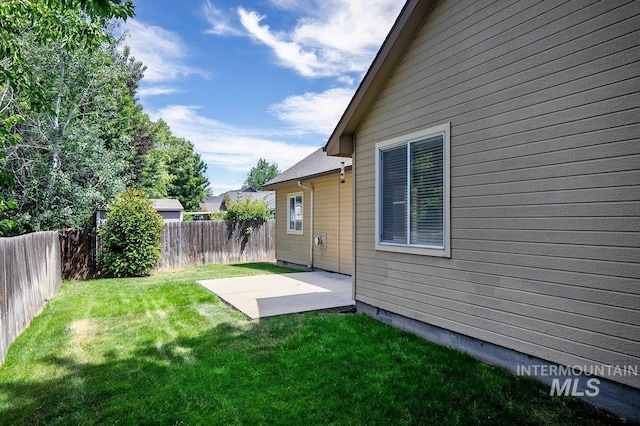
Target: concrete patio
pixel 261 296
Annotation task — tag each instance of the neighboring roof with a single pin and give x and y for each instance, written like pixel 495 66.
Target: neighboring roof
pixel 217 203
pixel 213 204
pixel 166 204
pixel 268 197
pixel 409 21
pixel 316 164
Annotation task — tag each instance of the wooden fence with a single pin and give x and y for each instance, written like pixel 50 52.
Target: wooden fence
pixel 183 244
pixel 29 275
pixel 32 266
pixel 79 250
pixel 216 241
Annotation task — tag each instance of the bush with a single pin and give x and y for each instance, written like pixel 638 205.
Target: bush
pixel 248 213
pixel 218 216
pixel 247 210
pixel 131 236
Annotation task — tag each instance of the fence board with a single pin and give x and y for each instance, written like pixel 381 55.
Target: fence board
pixel 182 244
pixel 204 242
pixel 29 273
pixel 4 300
pixel 79 254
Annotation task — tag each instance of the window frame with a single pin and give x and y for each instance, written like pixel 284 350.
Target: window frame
pixel 405 140
pixel 290 196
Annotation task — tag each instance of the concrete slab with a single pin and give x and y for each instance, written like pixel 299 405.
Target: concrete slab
pixel 262 296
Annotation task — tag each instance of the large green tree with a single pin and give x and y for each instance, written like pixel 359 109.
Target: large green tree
pixel 74 152
pixel 73 25
pixel 173 169
pixel 73 133
pixel 261 174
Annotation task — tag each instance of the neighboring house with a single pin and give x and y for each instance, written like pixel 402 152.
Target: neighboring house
pixel 218 203
pixel 496 150
pixel 214 204
pixel 313 213
pixel 170 209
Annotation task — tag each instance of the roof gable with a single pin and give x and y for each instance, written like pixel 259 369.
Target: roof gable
pixel 402 33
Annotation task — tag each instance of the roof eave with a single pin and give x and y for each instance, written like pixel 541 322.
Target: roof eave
pixel 293 181
pixel 413 14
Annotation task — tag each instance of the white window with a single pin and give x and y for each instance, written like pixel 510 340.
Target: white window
pixel 294 213
pixel 412 193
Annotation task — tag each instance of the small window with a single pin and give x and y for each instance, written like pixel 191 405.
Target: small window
pixel 412 193
pixel 294 213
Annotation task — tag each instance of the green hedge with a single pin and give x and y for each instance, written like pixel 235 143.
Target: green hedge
pixel 131 236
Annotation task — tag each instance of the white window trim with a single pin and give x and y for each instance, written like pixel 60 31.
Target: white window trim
pixel 293 231
pixel 403 140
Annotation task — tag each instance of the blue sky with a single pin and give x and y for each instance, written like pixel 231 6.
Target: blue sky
pixel 256 79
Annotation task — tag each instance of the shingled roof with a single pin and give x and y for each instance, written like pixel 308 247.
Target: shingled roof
pixel 166 204
pixel 316 164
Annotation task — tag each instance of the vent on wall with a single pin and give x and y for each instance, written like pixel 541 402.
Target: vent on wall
pixel 321 241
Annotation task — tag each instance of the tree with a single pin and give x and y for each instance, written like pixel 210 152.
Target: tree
pixel 73 24
pixel 261 174
pixel 131 235
pixel 74 154
pixel 173 169
pixel 76 25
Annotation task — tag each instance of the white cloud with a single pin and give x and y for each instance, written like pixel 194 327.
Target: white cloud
pixel 290 53
pixel 228 147
pixel 220 22
pixel 164 54
pixel 314 112
pixel 156 90
pixel 335 38
pixel 220 187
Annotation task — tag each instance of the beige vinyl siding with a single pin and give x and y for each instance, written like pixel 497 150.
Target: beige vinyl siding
pixel 292 247
pixel 332 219
pixel 325 221
pixel 544 104
pixel 345 222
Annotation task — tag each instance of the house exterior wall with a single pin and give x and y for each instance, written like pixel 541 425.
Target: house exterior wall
pixel 345 223
pixel 332 221
pixel 292 248
pixel 545 178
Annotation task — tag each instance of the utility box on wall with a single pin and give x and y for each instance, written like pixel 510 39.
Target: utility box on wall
pixel 320 241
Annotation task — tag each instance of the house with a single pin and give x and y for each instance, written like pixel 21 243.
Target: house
pixel 314 213
pixel 213 204
pixel 218 203
pixel 496 173
pixel 169 208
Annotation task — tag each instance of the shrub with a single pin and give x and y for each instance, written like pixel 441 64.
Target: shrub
pixel 247 210
pixel 131 236
pixel 218 216
pixel 248 213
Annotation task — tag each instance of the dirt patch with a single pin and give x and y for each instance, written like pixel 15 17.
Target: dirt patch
pixel 83 331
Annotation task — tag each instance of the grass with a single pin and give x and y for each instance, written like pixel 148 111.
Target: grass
pixel 163 350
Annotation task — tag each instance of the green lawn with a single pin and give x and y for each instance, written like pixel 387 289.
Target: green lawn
pixel 163 350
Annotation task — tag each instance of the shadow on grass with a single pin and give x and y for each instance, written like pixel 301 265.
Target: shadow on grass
pixel 266 267
pixel 299 369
